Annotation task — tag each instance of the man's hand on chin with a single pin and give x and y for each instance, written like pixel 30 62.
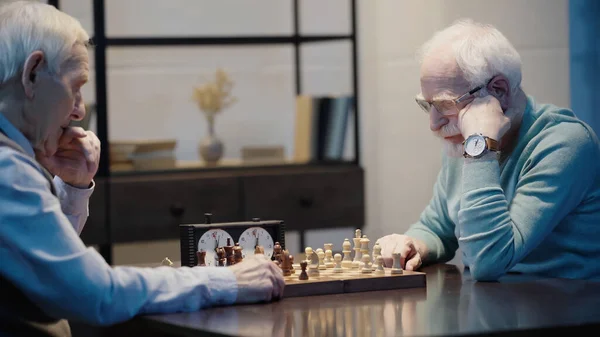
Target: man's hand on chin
pixel 76 159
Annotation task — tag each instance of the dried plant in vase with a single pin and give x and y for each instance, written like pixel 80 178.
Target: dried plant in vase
pixel 212 98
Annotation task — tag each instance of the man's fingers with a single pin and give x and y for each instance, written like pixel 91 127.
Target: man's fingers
pixel 405 252
pixel 413 263
pixel 388 262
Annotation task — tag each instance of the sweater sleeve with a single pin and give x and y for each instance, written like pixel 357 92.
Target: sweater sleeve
pixel 495 235
pixel 434 227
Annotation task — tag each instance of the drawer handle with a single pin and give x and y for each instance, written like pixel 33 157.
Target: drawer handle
pixel 177 210
pixel 306 202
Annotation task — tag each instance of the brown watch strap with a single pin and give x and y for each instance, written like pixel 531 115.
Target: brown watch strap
pixel 492 145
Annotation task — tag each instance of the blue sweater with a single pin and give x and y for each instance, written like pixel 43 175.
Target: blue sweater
pixel 536 212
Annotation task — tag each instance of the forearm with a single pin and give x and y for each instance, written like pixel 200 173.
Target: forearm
pixel 74 202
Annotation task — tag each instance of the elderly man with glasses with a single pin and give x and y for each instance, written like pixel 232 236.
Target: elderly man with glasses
pixel 519 186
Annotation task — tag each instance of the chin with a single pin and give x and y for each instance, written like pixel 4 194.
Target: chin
pixel 453 150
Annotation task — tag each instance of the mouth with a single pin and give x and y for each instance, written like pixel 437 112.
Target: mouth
pixel 457 139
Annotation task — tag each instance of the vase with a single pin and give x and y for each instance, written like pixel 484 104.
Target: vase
pixel 211 147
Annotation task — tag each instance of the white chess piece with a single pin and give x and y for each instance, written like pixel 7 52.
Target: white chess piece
pixel 396 268
pixel 364 245
pixel 309 253
pixel 338 264
pixel 376 254
pixel 357 254
pixel 366 260
pixel 346 249
pixel 329 263
pixel 313 270
pixel 321 256
pixel 379 269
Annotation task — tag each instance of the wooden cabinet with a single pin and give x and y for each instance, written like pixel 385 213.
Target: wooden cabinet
pixel 151 207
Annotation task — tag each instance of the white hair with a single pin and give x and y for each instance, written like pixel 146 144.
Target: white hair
pixel 481 52
pixel 27 26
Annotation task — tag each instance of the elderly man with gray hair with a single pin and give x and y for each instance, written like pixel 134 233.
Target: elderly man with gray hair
pixel 47 274
pixel 519 186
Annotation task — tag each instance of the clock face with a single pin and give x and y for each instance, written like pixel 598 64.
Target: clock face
pixel 475 146
pixel 254 236
pixel 210 240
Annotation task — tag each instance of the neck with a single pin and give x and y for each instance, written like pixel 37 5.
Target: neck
pixel 515 113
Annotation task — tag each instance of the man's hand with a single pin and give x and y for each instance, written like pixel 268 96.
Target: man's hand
pixel 258 279
pixel 484 115
pixel 411 251
pixel 76 159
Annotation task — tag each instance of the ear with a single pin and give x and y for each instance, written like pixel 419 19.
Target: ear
pixel 31 68
pixel 499 87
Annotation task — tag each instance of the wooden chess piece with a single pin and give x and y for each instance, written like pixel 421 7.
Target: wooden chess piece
pixel 237 254
pixel 329 263
pixel 347 261
pixel 321 256
pixel 293 271
pixel 338 264
pixel 229 252
pixel 201 255
pixel 221 256
pixel 396 268
pixel 366 260
pixel 379 269
pixel 376 254
pixel 357 254
pixel 259 250
pixel 308 251
pixel 286 263
pixel 277 252
pixel 303 275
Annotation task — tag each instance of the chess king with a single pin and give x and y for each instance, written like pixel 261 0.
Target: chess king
pixel 519 186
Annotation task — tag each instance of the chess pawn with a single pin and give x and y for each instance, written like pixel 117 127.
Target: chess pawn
pixel 237 254
pixel 364 245
pixel 309 254
pixel 277 252
pixel 376 254
pixel 292 270
pixel 396 268
pixel 358 233
pixel 338 264
pixel 379 269
pixel 346 249
pixel 303 275
pixel 329 263
pixel 366 268
pixel 326 247
pixel 321 256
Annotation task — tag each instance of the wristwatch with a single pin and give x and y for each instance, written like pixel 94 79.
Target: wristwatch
pixel 476 145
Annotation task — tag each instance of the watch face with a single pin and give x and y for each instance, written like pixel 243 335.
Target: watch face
pixel 209 242
pixel 256 236
pixel 475 145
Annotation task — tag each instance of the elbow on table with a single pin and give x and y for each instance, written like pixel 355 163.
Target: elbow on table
pixel 485 272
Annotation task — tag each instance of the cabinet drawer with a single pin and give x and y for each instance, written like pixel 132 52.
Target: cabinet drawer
pixel 307 200
pixel 95 231
pixel 154 209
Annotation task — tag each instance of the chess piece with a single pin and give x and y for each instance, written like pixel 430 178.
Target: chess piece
pixel 338 264
pixel 313 270
pixel 292 269
pixel 376 254
pixel 277 252
pixel 329 263
pixel 201 255
pixel 220 257
pixel 357 254
pixel 396 268
pixel 303 275
pixel 286 263
pixel 366 268
pixel 228 252
pixel 309 254
pixel 347 261
pixel 167 262
pixel 364 245
pixel 237 254
pixel 321 256
pixel 379 269
pixel 259 250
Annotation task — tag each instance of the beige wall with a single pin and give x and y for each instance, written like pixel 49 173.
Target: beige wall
pixel 399 154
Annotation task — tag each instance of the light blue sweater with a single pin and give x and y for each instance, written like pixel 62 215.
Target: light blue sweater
pixel 537 212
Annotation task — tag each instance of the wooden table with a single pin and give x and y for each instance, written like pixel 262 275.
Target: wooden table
pixel 452 304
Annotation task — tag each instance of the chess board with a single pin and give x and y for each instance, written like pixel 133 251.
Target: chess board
pixel 349 281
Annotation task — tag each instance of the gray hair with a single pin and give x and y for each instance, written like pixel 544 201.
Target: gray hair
pixel 27 26
pixel 481 52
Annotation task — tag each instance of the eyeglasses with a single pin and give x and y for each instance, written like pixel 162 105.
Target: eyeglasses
pixel 447 107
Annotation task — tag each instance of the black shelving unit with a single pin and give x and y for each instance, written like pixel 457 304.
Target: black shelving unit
pixel 101 43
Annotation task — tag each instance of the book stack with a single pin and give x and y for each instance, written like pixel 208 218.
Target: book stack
pixel 322 127
pixel 142 155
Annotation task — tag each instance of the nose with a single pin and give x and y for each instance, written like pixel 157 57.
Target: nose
pixel 436 119
pixel 78 111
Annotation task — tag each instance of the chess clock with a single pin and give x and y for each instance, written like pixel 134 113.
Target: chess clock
pixel 208 237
